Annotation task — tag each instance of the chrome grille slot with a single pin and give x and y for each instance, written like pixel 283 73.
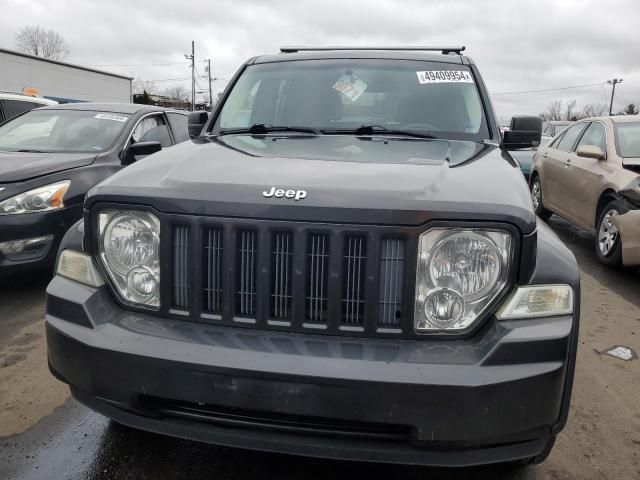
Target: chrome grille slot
pixel 246 268
pixel 212 280
pixel 392 257
pixel 354 279
pixel 281 264
pixel 181 267
pixel 318 274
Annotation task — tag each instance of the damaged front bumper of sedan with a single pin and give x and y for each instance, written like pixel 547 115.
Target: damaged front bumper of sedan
pixel 628 225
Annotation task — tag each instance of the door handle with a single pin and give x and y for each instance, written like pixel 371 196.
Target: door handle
pixel 567 162
pixel 544 155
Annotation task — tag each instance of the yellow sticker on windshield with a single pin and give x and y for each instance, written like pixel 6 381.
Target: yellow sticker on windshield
pixel 444 76
pixel 350 87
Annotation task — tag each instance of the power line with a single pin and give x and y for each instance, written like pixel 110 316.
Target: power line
pixel 135 64
pixel 549 89
pixel 169 79
pixel 216 79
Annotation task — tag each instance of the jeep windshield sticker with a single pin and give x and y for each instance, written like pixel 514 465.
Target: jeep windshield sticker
pixel 350 87
pixel 112 116
pixel 444 76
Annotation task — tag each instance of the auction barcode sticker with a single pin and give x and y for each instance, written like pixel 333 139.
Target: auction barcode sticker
pixel 350 87
pixel 112 116
pixel 444 76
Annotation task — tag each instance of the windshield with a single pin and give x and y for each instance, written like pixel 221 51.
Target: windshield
pixel 628 139
pixel 333 95
pixel 72 131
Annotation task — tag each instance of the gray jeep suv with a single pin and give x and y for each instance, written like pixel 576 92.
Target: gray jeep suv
pixel 345 263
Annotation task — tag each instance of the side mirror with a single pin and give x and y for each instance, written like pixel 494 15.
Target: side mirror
pixel 197 121
pixel 140 149
pixel 590 151
pixel 524 132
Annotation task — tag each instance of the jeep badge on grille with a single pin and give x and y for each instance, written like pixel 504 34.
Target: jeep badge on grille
pixel 281 193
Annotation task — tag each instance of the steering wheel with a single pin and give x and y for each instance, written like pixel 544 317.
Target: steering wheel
pixel 420 126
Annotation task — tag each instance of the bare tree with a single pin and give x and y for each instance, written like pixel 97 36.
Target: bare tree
pixel 594 110
pixel 554 111
pixel 177 94
pixel 140 86
pixel 42 43
pixel 570 111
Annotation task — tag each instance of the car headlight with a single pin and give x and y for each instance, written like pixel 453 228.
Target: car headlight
pixel 129 243
pixel 41 199
pixel 460 272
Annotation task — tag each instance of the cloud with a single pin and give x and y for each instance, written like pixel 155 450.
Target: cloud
pixel 524 45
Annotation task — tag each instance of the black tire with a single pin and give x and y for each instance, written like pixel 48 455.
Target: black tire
pixel 542 212
pixel 609 254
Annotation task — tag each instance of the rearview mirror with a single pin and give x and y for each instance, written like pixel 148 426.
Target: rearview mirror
pixel 590 151
pixel 197 120
pixel 140 149
pixel 524 132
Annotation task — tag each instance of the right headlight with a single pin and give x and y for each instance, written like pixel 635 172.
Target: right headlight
pixel 129 243
pixel 459 274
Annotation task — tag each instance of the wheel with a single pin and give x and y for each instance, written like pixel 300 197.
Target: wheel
pixel 536 197
pixel 608 244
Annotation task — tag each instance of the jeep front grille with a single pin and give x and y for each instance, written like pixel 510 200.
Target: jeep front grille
pixel 391 279
pixel 246 256
pixel 212 281
pixel 281 263
pixel 181 267
pixel 319 278
pixel 355 252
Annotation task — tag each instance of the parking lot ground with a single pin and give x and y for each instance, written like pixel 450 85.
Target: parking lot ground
pixel 46 435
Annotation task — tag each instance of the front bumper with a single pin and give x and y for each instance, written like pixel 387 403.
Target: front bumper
pixel 501 395
pixel 32 225
pixel 629 226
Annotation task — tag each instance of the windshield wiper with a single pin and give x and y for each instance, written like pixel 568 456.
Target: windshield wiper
pixel 260 128
pixel 29 150
pixel 380 130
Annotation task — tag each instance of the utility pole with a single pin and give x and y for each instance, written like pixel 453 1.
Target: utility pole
pixel 613 91
pixel 192 57
pixel 210 92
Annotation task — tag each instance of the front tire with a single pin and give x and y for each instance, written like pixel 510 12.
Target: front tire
pixel 608 243
pixel 536 198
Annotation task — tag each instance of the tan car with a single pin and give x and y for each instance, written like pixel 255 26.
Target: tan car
pixel 590 175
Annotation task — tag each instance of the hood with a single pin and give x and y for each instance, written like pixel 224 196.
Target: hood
pixel 20 166
pixel 346 180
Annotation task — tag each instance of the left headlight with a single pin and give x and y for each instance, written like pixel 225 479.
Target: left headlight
pixel 459 273
pixel 129 243
pixel 41 199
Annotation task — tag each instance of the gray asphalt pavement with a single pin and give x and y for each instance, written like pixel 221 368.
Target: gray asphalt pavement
pixel 600 441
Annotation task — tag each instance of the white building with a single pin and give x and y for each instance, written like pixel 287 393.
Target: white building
pixel 61 81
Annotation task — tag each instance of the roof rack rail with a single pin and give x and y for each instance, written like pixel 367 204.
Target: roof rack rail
pixel 444 50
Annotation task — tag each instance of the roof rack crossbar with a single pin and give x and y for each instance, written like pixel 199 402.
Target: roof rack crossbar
pixel 444 50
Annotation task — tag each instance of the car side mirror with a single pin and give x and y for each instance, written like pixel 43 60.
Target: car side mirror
pixel 197 120
pixel 140 149
pixel 524 132
pixel 590 151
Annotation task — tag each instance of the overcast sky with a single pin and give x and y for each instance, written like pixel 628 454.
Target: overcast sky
pixel 518 45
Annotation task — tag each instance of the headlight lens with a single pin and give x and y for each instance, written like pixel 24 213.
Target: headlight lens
pixel 41 199
pixel 460 272
pixel 129 247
